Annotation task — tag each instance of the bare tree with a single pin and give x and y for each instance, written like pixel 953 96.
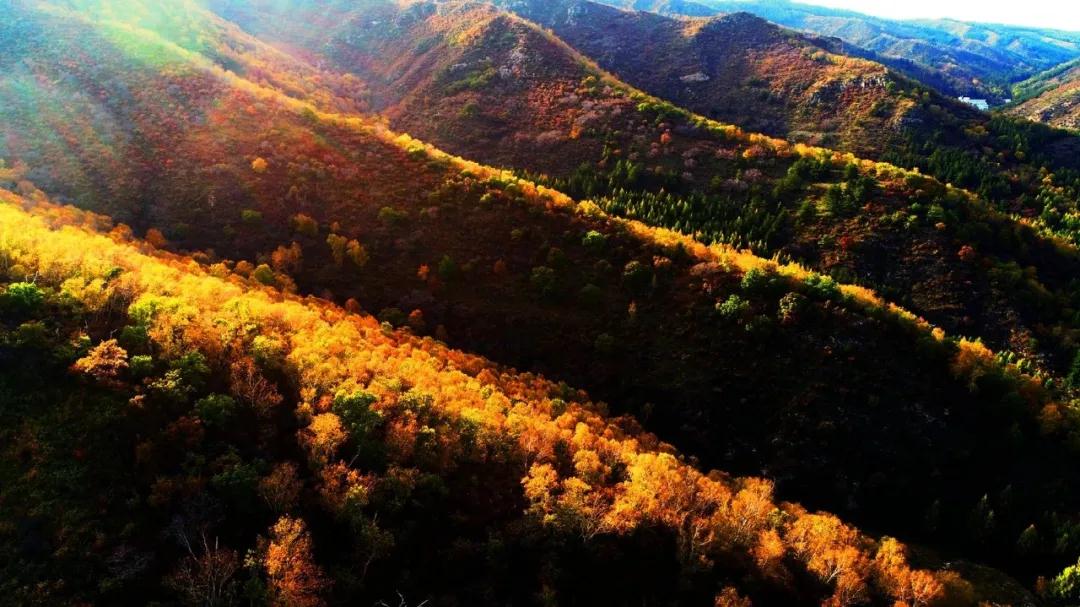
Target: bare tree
pixel 206 577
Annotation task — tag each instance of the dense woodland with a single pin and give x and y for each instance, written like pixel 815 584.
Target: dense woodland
pixel 285 450
pixel 256 333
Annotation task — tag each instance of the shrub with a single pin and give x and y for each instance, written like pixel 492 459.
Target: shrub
pixel 251 216
pixel 556 258
pixel 448 269
pixel 338 245
pixel 134 337
pixel 268 352
pixel 735 308
pixel 391 216
pixel 141 366
pixel 791 308
pixel 393 316
pixel 761 281
pixel 594 241
pixel 357 253
pixel 33 334
pixel 192 368
pixel 304 224
pixel 591 295
pixel 544 280
pixel 822 287
pixel 106 362
pixel 1073 378
pixel 470 110
pixel 359 420
pixel 605 343
pixel 264 274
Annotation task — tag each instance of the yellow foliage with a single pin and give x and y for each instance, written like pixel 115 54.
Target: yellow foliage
pixel 327 351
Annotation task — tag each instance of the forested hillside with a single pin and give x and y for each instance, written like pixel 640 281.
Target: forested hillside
pixel 339 453
pixel 284 450
pixel 489 86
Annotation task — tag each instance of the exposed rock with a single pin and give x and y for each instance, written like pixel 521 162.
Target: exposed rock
pixel 695 77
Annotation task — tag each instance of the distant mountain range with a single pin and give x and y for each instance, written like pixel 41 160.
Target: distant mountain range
pixel 959 58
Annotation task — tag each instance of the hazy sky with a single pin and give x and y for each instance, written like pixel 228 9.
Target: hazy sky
pixel 1060 14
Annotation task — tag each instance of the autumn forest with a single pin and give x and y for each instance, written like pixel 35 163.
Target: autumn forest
pixel 543 302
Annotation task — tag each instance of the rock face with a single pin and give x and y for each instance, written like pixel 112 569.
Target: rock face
pixel 695 77
pixel 834 90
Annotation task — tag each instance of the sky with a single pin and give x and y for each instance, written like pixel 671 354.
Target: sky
pixel 1059 14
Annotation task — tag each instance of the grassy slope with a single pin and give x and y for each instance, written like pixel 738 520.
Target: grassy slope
pixel 646 336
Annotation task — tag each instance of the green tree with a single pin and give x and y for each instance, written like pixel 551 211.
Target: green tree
pixel 22 297
pixel 216 410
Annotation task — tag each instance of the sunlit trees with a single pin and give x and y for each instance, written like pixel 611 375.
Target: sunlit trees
pixel 1065 587
pixel 387 419
pixel 342 248
pixel 323 437
pixel 288 259
pixel 294 580
pixel 106 362
pixel 729 597
pixel 916 588
pixel 749 509
pixel 832 551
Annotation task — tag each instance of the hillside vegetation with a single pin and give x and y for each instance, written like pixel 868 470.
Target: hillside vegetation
pixel 284 450
pixel 489 86
pixel 1051 97
pixel 753 366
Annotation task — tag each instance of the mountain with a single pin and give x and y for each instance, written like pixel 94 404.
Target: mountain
pixel 971 59
pixel 490 86
pixel 1050 97
pixel 738 70
pixel 1018 166
pixel 747 364
pixel 980 60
